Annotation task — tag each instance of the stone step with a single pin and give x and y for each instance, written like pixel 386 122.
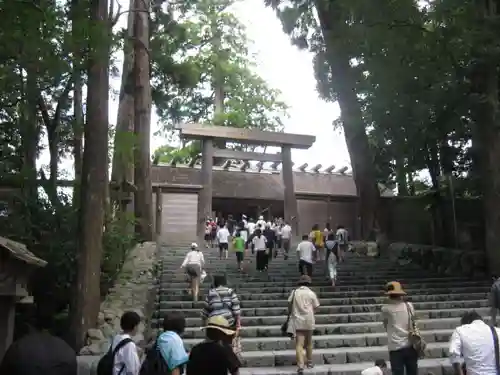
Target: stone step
pixel 437 366
pixel 270 331
pixel 341 309
pixel 270 358
pixel 174 275
pixel 371 317
pixel 167 303
pixel 181 295
pixel 243 284
pixel 359 340
pixel 434 366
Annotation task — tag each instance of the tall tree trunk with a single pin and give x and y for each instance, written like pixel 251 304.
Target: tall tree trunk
pixel 76 20
pixel 143 202
pixel 432 162
pixel 411 184
pixel 94 178
pixel 487 138
pixel 123 158
pixel 218 87
pixel 354 127
pixel 401 176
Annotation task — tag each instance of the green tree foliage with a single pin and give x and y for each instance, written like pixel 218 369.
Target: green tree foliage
pixel 207 45
pixel 424 76
pixel 36 116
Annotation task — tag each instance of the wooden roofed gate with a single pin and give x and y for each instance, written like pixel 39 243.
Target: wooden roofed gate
pixel 182 208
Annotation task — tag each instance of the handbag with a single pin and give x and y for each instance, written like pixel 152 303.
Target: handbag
pixel 416 340
pixel 495 343
pixel 284 326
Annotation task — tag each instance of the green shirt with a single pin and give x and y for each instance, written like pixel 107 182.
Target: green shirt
pixel 239 244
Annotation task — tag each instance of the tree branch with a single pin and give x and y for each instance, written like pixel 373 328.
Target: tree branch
pixel 51 125
pixel 63 97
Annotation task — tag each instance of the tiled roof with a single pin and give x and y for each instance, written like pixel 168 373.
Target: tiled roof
pixel 255 185
pixel 19 251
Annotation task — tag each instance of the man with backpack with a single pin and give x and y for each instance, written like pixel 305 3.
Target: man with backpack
pixel 122 357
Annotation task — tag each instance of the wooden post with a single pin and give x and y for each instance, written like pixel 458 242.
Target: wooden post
pixel 158 210
pixel 205 194
pixel 7 320
pixel 290 200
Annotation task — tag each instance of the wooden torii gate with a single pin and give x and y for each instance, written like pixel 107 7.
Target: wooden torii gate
pixel 208 134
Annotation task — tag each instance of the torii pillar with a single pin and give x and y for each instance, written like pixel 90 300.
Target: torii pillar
pixel 290 200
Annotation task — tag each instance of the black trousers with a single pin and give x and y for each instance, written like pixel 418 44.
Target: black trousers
pixel 404 359
pixel 305 268
pixel 262 260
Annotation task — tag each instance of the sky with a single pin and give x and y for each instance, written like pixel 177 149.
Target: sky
pixel 285 68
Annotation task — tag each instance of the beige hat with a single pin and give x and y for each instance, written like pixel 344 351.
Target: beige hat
pixel 220 323
pixel 394 288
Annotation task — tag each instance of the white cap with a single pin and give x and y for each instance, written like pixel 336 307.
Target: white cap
pixel 194 245
pixel 261 217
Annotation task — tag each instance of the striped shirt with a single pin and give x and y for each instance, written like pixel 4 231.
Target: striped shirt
pixel 222 301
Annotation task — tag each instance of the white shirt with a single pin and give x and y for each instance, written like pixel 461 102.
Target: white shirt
pixel 194 257
pixel 126 358
pixel 475 343
pixel 251 227
pixel 342 236
pixel 375 370
pixel 286 232
pixel 396 316
pixel 306 250
pixel 262 224
pixel 223 235
pixel 260 243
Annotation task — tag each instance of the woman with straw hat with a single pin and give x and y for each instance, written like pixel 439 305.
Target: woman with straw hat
pixel 214 356
pixel 398 317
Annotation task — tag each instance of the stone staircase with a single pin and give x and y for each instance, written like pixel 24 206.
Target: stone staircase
pixel 349 335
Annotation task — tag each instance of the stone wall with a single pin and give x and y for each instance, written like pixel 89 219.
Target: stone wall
pixel 134 289
pixel 444 261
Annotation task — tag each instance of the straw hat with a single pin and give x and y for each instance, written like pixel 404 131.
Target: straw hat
pixel 394 288
pixel 304 280
pixel 220 323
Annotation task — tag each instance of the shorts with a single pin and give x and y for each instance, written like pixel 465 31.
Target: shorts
pixel 213 235
pixel 207 237
pixel 193 270
pixel 239 256
pixel 223 246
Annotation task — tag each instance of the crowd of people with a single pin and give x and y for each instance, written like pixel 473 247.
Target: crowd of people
pixel 473 346
pixel 267 239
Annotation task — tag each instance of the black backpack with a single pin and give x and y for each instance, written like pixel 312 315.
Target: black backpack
pixel 154 363
pixel 107 362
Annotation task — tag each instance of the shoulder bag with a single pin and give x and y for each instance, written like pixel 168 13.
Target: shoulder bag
pixel 416 340
pixel 284 326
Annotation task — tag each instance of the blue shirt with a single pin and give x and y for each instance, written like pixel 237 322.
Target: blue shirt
pixel 172 349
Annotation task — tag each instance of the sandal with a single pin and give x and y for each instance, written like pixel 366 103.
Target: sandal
pixel 309 364
pixel 300 371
